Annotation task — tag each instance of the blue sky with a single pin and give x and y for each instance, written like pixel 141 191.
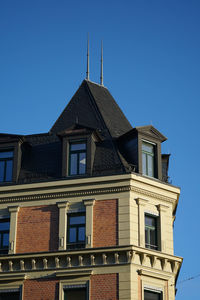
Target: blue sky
pixel 151 67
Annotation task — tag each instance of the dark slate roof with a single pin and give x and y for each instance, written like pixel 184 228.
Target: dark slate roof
pixel 93 106
pixel 92 110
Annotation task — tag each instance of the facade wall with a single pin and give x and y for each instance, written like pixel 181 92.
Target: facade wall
pixel 104 286
pixel 41 289
pixel 37 229
pixel 105 224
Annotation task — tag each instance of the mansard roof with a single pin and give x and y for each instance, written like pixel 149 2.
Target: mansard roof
pixel 91 113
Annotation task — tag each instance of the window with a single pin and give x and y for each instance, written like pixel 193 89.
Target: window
pixel 150 295
pixel 75 294
pixel 9 295
pixel 4 235
pixel 76 230
pixel 77 158
pixel 148 160
pixel 151 240
pixel 6 166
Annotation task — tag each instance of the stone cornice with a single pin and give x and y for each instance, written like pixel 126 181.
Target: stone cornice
pixel 152 194
pixel 84 260
pixel 83 193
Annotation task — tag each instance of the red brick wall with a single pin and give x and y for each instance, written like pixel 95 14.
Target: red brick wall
pixel 104 286
pixel 41 289
pixel 105 223
pixel 37 229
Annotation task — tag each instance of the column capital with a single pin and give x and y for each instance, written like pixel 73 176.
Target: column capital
pixel 14 209
pixel 64 204
pixel 162 207
pixel 89 202
pixel 141 201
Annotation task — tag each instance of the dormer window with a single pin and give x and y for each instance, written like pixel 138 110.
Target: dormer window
pixel 6 166
pixel 77 158
pixel 148 159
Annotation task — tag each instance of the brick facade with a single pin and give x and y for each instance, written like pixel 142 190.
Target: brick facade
pixel 41 289
pixel 37 229
pixel 105 224
pixel 104 286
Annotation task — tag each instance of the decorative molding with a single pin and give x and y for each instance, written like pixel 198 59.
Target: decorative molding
pixel 64 262
pixel 73 273
pixel 12 277
pixel 154 274
pixel 65 194
pixel 83 193
pixel 152 194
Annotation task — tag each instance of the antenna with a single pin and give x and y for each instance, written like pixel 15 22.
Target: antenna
pixel 88 71
pixel 101 74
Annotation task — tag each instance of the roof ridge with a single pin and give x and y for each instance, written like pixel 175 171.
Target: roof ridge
pixel 98 84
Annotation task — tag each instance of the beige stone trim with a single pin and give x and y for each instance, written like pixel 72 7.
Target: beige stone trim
pixel 13 210
pixel 76 273
pixel 79 280
pixel 89 203
pixel 154 274
pixel 162 222
pixel 63 207
pixel 141 222
pixel 12 277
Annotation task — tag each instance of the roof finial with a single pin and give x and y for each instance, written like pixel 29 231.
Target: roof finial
pixel 88 71
pixel 101 75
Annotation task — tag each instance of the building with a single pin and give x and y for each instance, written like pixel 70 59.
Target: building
pixel 86 210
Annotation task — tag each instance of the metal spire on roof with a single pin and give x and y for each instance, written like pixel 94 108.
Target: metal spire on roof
pixel 101 75
pixel 88 71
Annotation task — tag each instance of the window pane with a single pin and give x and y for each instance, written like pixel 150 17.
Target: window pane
pixel 81 234
pixel 77 220
pixel 5 239
pixel 82 163
pixel 150 221
pixel 75 294
pixel 148 295
pixel 150 165
pixel 147 240
pixel 7 154
pixel 144 164
pixel 4 225
pixel 147 147
pixel 2 166
pixel 78 146
pixel 73 164
pixel 9 169
pixel 10 296
pixel 153 238
pixel 72 235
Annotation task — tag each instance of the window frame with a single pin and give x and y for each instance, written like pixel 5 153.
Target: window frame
pixel 5 160
pixel 75 288
pixel 148 244
pixel 77 152
pixel 77 244
pixel 147 155
pixel 76 283
pixel 4 250
pixel 158 292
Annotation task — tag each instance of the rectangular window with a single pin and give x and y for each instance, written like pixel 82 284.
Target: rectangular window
pixel 6 166
pixel 151 238
pixel 148 159
pixel 77 158
pixel 150 295
pixel 4 235
pixel 76 230
pixel 75 294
